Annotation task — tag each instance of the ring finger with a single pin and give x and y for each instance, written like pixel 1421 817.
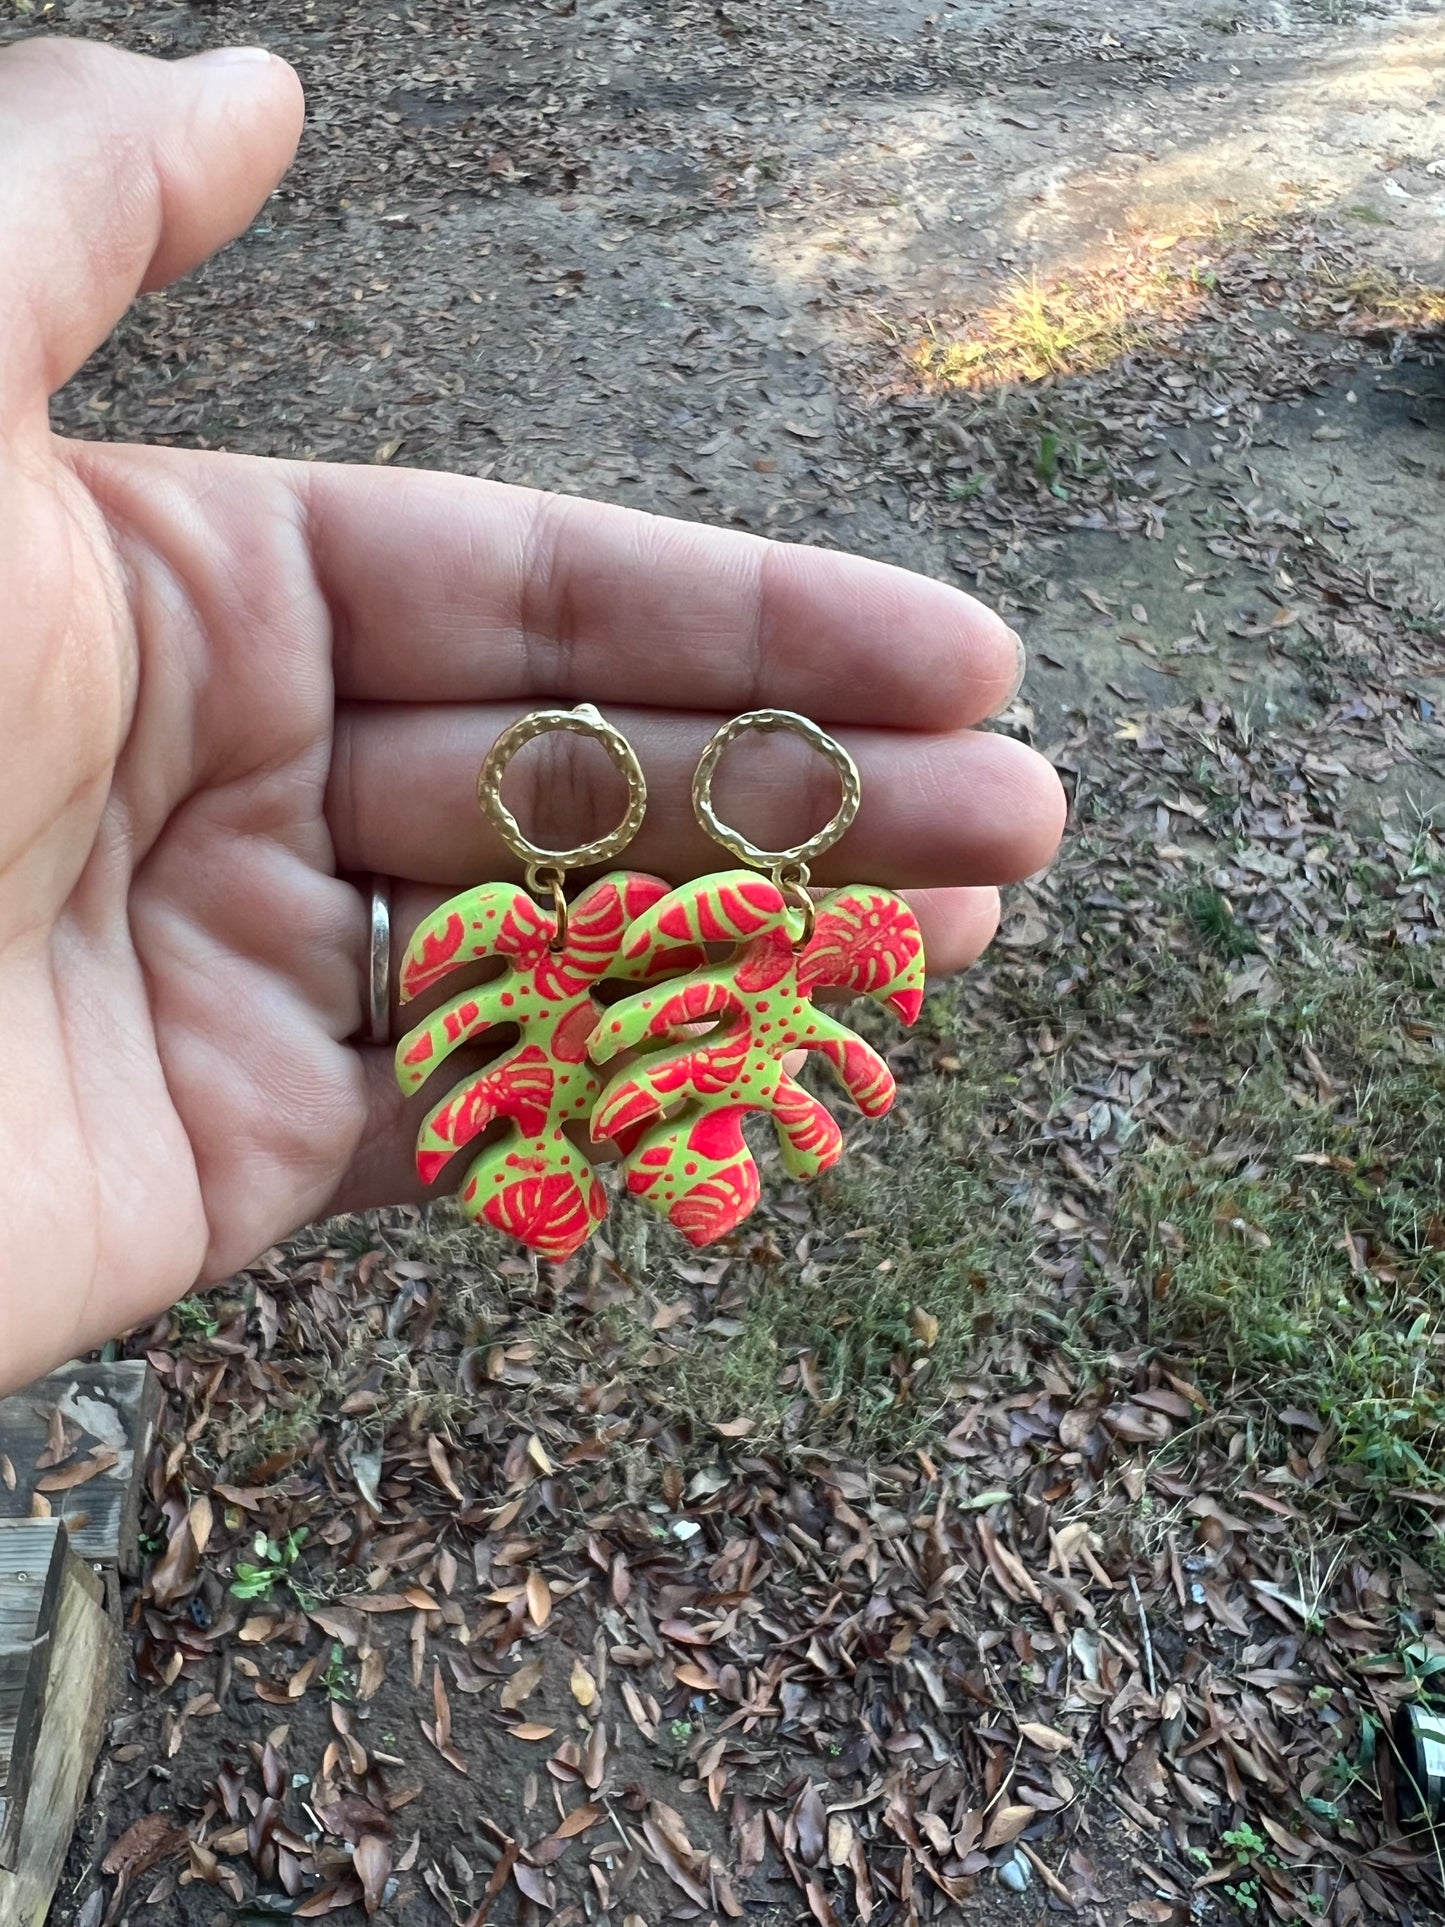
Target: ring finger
pixel 966 808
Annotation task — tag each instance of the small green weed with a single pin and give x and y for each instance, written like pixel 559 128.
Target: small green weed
pixel 1251 1850
pixel 273 1566
pixel 1244 1843
pixel 336 1679
pixel 194 1319
pixel 1212 915
pixel 965 491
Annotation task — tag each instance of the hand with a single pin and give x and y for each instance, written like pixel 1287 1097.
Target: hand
pixel 227 684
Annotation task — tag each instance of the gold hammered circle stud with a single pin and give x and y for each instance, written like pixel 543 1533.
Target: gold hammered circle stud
pixel 546 868
pixel 789 868
pixel 801 855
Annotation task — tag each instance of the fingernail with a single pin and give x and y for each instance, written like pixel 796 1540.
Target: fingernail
pixel 1021 670
pixel 234 56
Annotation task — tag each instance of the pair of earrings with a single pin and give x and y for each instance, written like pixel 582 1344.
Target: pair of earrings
pixel 675 1109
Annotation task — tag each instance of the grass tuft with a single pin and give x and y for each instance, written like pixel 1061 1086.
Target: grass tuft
pixel 1072 326
pixel 1299 1251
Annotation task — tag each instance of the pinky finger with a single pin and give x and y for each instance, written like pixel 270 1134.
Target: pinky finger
pixel 957 925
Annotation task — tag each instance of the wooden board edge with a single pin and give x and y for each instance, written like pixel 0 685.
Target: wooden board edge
pixel 77 1702
pixel 132 1390
pixel 28 1722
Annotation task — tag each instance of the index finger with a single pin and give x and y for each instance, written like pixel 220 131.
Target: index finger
pixel 445 589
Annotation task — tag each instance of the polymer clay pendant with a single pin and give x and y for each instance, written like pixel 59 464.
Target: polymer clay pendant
pixel 677 1109
pixel 535 1182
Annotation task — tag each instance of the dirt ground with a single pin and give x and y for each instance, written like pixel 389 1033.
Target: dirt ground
pixel 717 261
pixel 669 256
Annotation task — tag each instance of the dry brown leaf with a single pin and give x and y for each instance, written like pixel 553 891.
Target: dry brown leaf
pixel 372 1862
pixel 1050 1879
pixel 924 1326
pixel 727 1897
pixel 437 1454
pixel 673 1862
pixel 174 1572
pixel 673 1827
pixel 580 1819
pixel 537 1453
pixel 58 1440
pixel 811 1825
pixel 442 1706
pixel 862 1882
pixel 501 1873
pixel 1007 1824
pixel 1164 1399
pixel 1288 1843
pixel 641 1719
pixel 81 1474
pixel 689 1674
pixel 201 1516
pixel 934 1829
pixel 523 1683
pixel 1138 1427
pixel 144 1845
pixel 539 1599
pixel 373 1672
pixel 1013 1576
pixel 1046 1738
pixel 302 1677
pixel 684 1633
pixel 338 1622
pixel 533 1884
pixel 345 1893
pixel 530 1730
pixel 584 1687
pixel 7 1472
pixel 819 1905
pixel 594 1760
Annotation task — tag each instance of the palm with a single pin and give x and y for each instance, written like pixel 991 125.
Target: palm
pixel 185 1093
pixel 226 684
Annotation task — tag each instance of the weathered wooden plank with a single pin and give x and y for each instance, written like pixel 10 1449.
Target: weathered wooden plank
pixel 76 1702
pixel 32 1564
pixel 108 1415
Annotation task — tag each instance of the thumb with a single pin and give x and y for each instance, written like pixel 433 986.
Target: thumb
pixel 118 173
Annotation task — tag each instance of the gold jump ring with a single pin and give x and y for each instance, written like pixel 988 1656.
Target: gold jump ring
pixel 582 721
pixel 551 879
pixel 793 882
pixel 801 854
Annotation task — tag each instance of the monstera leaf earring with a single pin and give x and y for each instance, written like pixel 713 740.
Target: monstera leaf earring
pixel 535 1182
pixel 677 1110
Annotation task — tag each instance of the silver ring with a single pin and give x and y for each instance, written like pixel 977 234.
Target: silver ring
pixel 378 988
